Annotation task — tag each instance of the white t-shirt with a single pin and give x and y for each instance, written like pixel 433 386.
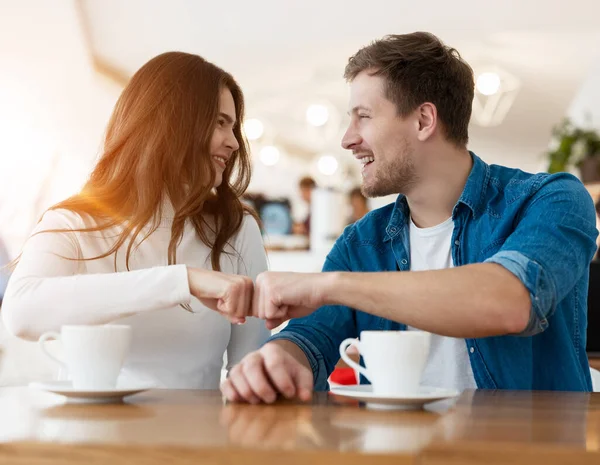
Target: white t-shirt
pixel 171 347
pixel 448 365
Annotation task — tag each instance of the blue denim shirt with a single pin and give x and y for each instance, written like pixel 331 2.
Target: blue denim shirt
pixel 540 227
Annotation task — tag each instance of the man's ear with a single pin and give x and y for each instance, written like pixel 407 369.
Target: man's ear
pixel 426 121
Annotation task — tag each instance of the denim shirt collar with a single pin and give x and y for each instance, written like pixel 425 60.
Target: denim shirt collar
pixel 472 196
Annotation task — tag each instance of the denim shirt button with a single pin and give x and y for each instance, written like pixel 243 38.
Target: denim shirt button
pixel 472 349
pixel 456 242
pixel 393 230
pixel 404 261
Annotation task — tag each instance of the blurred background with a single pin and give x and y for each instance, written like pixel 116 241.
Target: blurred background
pixel 63 64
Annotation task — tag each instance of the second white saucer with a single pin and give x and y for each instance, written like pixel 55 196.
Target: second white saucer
pixel 364 393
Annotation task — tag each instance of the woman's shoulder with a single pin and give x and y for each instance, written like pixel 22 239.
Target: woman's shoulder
pixel 250 248
pixel 60 218
pixel 248 236
pixel 249 230
pixel 64 220
pixel 249 223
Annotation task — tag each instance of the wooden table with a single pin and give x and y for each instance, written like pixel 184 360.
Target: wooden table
pixel 196 427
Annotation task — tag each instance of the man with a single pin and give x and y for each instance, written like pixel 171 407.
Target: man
pixel 492 260
pixel 358 204
pixel 306 186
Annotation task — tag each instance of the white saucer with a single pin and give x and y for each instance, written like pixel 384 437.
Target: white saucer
pixel 364 393
pixel 89 396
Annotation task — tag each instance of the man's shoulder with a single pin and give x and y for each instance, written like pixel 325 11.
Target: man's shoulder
pixel 504 178
pixel 512 185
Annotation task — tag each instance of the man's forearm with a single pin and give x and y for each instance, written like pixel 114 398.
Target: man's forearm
pixel 469 301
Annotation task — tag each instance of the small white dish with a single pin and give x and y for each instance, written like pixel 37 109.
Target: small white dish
pixel 364 393
pixel 89 396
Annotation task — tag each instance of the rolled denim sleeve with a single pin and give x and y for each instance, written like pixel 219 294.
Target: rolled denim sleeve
pixel 320 334
pixel 552 245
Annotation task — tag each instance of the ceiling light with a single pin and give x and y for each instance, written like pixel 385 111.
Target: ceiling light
pixel 327 165
pixel 269 155
pixel 496 90
pixel 317 115
pixel 488 83
pixel 253 128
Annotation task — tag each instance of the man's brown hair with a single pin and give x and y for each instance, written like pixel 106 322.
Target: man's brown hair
pixel 307 182
pixel 419 68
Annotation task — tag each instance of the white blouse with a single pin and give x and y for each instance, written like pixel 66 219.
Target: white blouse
pixel 171 347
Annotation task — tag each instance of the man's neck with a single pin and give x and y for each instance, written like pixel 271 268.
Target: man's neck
pixel 440 185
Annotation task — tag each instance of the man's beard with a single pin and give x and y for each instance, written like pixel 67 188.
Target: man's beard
pixel 395 177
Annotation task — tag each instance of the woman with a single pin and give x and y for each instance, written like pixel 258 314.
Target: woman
pixel 157 234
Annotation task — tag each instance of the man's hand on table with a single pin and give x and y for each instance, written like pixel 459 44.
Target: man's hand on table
pixel 267 372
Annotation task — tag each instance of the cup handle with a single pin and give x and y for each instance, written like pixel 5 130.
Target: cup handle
pixel 351 363
pixel 43 339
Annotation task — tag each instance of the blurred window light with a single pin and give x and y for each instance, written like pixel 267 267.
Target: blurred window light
pixel 269 155
pixel 26 145
pixel 317 115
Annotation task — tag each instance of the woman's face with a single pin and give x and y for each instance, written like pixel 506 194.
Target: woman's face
pixel 224 143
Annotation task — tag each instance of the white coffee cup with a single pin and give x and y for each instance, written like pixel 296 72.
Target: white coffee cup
pixel 394 360
pixel 93 355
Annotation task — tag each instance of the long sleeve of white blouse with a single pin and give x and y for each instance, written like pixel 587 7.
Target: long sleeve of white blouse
pixel 47 288
pixel 50 286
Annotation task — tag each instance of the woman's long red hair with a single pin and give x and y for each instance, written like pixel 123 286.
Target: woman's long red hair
pixel 157 148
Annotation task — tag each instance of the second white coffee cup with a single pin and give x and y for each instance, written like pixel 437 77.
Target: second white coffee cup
pixel 394 360
pixel 93 355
